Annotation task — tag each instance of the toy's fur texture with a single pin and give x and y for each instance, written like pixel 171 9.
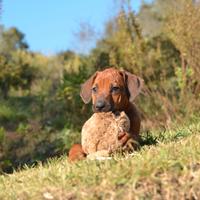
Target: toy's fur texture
pixel 100 133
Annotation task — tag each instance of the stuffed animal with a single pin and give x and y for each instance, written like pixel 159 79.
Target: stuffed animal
pixel 100 133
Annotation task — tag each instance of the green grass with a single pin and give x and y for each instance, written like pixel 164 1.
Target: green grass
pixel 167 169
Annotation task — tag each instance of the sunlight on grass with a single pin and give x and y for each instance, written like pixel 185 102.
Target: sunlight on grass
pixel 165 169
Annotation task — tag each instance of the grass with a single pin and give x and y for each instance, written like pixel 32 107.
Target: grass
pixel 167 169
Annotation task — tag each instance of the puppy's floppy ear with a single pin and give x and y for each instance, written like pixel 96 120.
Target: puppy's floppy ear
pixel 134 84
pixel 86 89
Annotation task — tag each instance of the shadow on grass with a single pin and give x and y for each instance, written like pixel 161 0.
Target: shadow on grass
pixel 148 139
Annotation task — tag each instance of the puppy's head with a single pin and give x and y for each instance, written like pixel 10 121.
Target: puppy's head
pixel 111 90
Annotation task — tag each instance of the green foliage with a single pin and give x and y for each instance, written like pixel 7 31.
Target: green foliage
pixel 68 93
pixel 183 28
pixel 30 143
pixel 11 40
pixel 12 113
pixel 23 128
pixel 2 135
pixel 16 69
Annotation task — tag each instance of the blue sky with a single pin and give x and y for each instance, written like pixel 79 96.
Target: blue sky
pixel 50 26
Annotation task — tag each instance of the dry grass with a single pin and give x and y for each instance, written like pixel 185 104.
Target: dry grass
pixel 168 170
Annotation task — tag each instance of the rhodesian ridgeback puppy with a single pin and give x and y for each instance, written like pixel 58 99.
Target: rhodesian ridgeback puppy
pixel 112 90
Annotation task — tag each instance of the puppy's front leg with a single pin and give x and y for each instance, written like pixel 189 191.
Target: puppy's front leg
pixel 127 142
pixel 123 137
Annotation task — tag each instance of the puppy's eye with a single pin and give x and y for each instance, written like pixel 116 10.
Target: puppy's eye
pixel 115 89
pixel 94 89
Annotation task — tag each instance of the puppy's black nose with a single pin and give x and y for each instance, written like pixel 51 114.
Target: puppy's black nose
pixel 100 105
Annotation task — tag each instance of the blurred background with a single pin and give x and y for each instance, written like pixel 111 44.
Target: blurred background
pixel 48 48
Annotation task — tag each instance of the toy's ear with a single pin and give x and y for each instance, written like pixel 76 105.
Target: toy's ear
pixel 86 89
pixel 134 84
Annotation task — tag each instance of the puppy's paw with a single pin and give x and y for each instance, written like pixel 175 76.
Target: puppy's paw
pixel 123 137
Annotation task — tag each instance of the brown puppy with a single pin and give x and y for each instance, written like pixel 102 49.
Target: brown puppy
pixel 112 90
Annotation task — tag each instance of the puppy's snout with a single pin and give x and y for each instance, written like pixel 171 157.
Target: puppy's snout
pixel 100 105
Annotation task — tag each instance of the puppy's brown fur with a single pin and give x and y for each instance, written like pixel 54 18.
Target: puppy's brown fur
pixel 76 153
pixel 112 90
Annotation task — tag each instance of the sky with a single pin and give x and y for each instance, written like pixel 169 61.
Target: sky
pixel 51 26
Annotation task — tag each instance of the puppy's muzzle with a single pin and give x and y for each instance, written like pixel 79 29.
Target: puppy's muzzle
pixel 102 106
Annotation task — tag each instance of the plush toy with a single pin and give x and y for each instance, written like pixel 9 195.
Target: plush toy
pixel 100 133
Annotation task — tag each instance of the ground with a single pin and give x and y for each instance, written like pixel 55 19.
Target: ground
pixel 166 167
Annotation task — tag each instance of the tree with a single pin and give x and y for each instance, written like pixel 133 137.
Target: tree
pixel 11 40
pixel 183 28
pixel 16 63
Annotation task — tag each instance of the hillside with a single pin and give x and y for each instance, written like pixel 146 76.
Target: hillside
pixel 166 167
